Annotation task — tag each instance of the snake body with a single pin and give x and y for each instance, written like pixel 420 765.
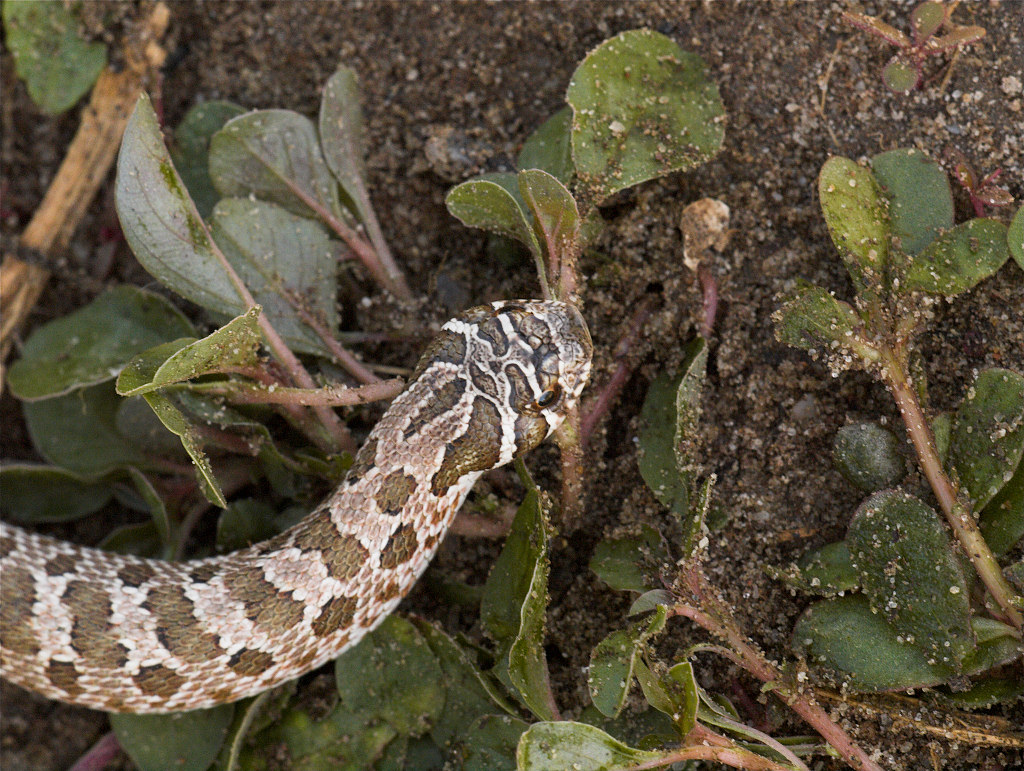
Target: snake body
pixel 126 634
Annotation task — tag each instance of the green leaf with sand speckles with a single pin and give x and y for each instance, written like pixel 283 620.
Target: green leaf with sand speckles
pixel 920 199
pixel 816 321
pixel 567 744
pixel 186 741
pixel 486 204
pixel 858 221
pixel 58 67
pixel 93 343
pixel 1015 237
pixel 912 576
pixel 614 659
pixel 987 440
pixel 392 675
pixel 191 150
pixel 959 258
pixel 160 221
pixel 642 108
pixel 549 148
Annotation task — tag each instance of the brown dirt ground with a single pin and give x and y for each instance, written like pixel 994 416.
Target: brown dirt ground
pixel 474 80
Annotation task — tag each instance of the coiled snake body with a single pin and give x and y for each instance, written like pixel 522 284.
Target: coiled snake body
pixel 124 634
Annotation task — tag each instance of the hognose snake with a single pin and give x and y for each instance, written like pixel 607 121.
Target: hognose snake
pixel 125 634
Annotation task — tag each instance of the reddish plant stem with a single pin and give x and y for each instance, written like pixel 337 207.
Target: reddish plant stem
pixel 708 611
pixel 100 755
pixel 328 396
pixel 345 357
pixel 382 267
pixel 626 364
pixel 709 293
pixel 958 513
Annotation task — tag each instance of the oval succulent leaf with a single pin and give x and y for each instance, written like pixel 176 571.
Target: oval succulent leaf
pixel 613 661
pixel 287 262
pixel 549 148
pixel 911 575
pixel 920 199
pixel 987 440
pixel 1015 237
pixel 485 204
pixel 35 494
pixel 642 108
pixel 816 321
pixel 58 67
pixel 959 258
pixel 858 221
pixel 187 741
pixel 868 456
pixel 566 744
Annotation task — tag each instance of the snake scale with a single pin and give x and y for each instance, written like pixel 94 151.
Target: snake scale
pixel 125 634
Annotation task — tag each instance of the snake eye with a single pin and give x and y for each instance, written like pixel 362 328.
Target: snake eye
pixel 549 397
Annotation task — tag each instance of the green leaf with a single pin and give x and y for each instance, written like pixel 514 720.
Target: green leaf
pixel 187 741
pixel 160 221
pixel 156 506
pixel 631 564
pixel 564 745
pixel 248 521
pixel 959 258
pixel 669 416
pixel 1002 519
pixel 816 321
pixel 142 540
pixel 176 422
pixel 93 343
pixel 341 136
pixel 549 148
pixel 58 67
pixel 275 155
pixel 556 220
pixel 341 740
pixel 613 660
pixel 858 221
pixel 468 692
pixel 920 199
pixel 191 150
pixel 392 675
pixel 926 19
pixel 899 75
pixel 490 743
pixel 642 108
pixel 986 693
pixel 79 432
pixel 843 634
pixel 868 456
pixel 485 204
pixel 233 345
pixel 1015 237
pixel 988 434
pixel 35 494
pixel 827 571
pixel 513 606
pixel 912 576
pixel 287 262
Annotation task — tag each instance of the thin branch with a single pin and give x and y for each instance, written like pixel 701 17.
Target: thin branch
pixel 704 608
pixel 387 276
pixel 328 396
pixel 346 358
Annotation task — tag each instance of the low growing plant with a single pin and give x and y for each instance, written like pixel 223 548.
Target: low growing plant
pixel 905 72
pixel 912 602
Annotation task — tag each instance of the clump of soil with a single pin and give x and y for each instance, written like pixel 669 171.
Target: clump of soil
pixel 451 90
